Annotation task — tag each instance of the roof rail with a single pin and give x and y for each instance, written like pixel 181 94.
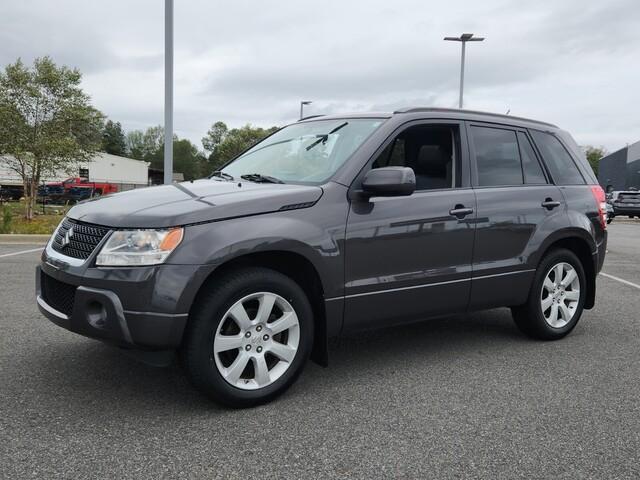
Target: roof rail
pixel 471 112
pixel 310 116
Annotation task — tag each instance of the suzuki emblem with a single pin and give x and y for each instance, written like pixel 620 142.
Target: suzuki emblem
pixel 67 237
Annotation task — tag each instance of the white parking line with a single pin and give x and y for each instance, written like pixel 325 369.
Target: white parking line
pixel 21 252
pixel 621 280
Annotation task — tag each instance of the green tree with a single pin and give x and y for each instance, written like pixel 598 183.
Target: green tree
pixel 188 160
pixel 144 145
pixel 594 155
pixel 47 123
pixel 149 146
pixel 224 144
pixel 113 139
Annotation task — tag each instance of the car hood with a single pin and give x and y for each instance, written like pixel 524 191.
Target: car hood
pixel 192 202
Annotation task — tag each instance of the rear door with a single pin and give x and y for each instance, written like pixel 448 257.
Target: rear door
pixel 516 204
pixel 410 257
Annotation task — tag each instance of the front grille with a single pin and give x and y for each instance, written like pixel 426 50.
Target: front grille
pixel 57 294
pixel 77 239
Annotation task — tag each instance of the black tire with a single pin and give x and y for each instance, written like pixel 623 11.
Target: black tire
pixel 197 351
pixel 529 317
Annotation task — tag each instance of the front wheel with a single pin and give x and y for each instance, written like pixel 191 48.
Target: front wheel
pixel 248 337
pixel 556 299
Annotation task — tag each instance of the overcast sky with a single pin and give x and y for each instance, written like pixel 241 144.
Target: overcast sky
pixel 574 63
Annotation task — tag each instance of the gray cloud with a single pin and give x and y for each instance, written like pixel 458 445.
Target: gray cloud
pixel 571 62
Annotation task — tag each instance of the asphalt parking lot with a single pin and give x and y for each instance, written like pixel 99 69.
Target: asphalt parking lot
pixel 462 397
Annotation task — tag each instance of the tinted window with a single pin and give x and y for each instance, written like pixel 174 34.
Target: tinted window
pixel 560 164
pixel 497 156
pixel 430 150
pixel 530 165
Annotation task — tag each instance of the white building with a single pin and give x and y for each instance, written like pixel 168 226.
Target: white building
pixel 103 167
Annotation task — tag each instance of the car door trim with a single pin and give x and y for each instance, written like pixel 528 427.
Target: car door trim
pixel 425 285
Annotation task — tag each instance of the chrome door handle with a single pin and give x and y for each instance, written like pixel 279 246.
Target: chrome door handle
pixel 460 211
pixel 550 204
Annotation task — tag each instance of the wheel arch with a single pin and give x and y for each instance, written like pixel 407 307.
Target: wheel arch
pixel 295 266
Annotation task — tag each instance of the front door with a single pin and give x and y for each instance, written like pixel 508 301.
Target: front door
pixel 410 257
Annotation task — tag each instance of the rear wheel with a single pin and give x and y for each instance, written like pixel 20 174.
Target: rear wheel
pixel 556 299
pixel 249 337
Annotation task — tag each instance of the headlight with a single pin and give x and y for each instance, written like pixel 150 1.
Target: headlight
pixel 138 247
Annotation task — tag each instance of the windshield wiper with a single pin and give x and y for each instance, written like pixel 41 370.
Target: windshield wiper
pixel 322 138
pixel 259 178
pixel 221 174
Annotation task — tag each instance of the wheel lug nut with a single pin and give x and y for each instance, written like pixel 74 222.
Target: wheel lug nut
pixel 247 348
pixel 265 338
pixel 259 328
pixel 248 334
pixel 259 349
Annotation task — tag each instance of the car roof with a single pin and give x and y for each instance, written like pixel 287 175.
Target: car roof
pixel 411 113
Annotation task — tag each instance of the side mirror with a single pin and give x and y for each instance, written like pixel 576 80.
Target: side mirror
pixel 389 182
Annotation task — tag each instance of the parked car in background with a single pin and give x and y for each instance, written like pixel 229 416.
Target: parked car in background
pixel 98 188
pixel 626 202
pixel 11 192
pixel 333 225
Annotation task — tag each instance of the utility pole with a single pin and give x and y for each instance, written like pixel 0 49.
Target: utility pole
pixel 168 92
pixel 302 104
pixel 464 38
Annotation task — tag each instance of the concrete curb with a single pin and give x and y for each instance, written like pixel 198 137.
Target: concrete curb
pixel 24 239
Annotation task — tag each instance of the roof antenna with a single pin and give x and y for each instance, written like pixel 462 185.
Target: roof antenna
pixel 508 110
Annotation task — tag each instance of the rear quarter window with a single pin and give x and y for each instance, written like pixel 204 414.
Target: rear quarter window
pixel 561 165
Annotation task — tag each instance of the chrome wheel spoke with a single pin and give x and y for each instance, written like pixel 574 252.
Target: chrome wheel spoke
pixel 548 285
pixel 282 351
pixel 262 377
pixel 569 277
pixel 572 295
pixel 559 273
pixel 266 307
pixel 546 303
pixel 234 371
pixel 553 315
pixel 239 314
pixel 564 311
pixel 224 343
pixel 288 320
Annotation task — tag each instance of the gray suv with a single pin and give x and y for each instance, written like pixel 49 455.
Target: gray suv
pixel 329 226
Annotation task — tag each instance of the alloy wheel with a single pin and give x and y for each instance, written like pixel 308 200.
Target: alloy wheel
pixel 256 341
pixel 560 295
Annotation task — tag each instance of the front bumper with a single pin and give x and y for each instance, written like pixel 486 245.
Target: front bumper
pixel 99 313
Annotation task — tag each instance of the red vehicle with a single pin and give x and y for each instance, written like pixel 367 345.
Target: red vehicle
pixel 98 188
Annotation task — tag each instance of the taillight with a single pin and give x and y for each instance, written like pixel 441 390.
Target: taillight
pixel 601 201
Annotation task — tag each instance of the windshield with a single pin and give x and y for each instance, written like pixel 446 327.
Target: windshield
pixel 308 152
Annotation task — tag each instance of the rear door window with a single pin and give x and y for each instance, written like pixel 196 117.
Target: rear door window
pixel 530 166
pixel 561 166
pixel 497 156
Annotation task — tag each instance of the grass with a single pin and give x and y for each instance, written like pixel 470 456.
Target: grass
pixel 12 218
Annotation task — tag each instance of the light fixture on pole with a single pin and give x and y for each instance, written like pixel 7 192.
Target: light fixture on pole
pixel 302 104
pixel 464 38
pixel 168 92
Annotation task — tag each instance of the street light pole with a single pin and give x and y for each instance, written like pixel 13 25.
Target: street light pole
pixel 168 92
pixel 302 104
pixel 464 38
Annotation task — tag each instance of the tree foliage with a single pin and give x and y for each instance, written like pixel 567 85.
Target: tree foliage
pixel 113 139
pixel 594 155
pixel 149 146
pixel 47 123
pixel 224 144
